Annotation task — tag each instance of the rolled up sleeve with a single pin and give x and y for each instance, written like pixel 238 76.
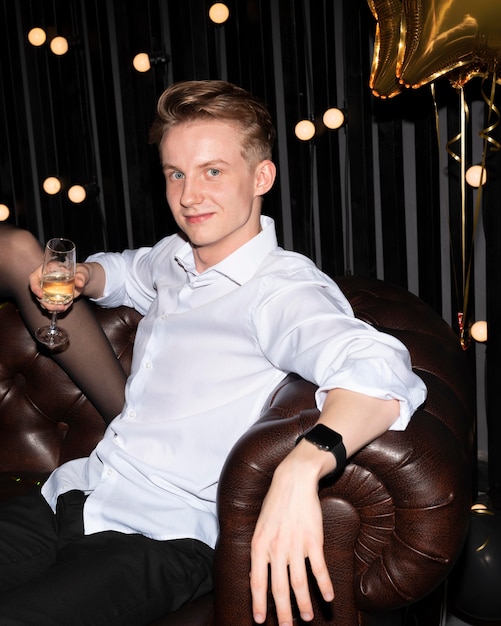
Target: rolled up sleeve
pixel 311 330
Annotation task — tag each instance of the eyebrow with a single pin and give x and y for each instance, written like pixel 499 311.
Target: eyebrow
pixel 213 163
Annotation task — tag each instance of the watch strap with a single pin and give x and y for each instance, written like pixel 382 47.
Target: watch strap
pixel 325 438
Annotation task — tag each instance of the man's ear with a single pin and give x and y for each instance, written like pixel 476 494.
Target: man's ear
pixel 266 172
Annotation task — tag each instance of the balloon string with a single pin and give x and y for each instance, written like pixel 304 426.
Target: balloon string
pixel 467 259
pixel 495 145
pixel 465 117
pixel 493 109
pixel 464 120
pixel 455 279
pixel 461 293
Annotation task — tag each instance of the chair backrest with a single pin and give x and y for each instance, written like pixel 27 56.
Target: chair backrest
pixel 44 417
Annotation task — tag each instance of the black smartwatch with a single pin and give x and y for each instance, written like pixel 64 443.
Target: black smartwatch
pixel 324 438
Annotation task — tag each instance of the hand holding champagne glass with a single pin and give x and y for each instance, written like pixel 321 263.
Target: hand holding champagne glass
pixel 58 285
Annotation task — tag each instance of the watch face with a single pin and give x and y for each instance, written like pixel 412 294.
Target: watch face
pixel 328 440
pixel 323 437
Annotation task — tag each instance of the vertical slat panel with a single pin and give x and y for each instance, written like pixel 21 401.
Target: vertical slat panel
pixel 359 140
pixel 409 206
pixel 20 86
pixel 283 212
pixel 428 205
pixel 328 170
pixel 120 146
pixel 379 197
pixel 392 201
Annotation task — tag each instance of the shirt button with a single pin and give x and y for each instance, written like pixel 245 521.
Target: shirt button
pixel 110 472
pixel 147 365
pixel 131 414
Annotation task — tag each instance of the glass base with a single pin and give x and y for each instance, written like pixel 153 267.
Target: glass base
pixel 52 337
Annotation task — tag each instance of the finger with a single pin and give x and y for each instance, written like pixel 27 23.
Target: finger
pixel 321 573
pixel 34 283
pixel 259 588
pixel 299 582
pixel 280 588
pixel 80 278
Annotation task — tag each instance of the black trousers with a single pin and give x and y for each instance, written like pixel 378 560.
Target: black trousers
pixel 52 574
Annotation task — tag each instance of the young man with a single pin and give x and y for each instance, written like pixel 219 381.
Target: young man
pixel 227 314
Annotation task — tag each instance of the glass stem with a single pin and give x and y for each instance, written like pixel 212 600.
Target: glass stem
pixel 53 323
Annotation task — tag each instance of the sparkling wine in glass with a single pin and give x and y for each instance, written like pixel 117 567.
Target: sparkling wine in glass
pixel 58 285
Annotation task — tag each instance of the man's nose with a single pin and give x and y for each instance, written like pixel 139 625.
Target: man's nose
pixel 192 192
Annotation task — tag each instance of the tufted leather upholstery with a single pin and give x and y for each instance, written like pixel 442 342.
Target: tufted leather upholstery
pixel 395 520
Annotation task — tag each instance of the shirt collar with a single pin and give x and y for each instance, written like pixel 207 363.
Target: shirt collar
pixel 242 264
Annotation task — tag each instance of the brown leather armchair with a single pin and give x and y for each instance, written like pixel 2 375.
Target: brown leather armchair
pixel 395 520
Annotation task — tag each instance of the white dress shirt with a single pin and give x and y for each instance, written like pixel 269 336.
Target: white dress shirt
pixel 208 352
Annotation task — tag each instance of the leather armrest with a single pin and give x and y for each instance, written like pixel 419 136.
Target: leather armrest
pixel 394 521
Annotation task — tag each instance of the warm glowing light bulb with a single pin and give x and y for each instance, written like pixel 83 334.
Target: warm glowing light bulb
pixel 474 174
pixel 59 45
pixel 4 212
pixel 479 507
pixel 333 118
pixel 478 331
pixel 141 62
pixel 37 36
pixel 77 194
pixel 52 185
pixel 305 130
pixel 219 13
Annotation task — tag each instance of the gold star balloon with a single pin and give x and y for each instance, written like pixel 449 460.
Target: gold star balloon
pixel 418 41
pixel 388 15
pixel 442 36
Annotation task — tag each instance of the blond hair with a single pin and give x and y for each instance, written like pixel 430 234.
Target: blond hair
pixel 217 100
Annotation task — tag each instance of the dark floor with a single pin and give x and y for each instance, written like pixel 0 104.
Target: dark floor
pixel 453 620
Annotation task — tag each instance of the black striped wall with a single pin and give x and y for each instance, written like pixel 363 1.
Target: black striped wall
pixel 380 197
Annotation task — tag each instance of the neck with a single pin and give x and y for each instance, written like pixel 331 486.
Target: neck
pixel 207 256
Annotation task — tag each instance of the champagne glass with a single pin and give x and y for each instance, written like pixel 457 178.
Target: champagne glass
pixel 58 285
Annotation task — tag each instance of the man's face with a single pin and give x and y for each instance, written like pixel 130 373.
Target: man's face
pixel 213 192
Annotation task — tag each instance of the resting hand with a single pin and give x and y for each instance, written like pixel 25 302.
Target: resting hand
pixel 289 531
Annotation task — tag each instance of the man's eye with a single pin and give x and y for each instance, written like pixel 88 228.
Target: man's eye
pixel 214 171
pixel 176 176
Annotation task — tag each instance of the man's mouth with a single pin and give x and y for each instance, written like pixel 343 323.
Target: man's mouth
pixel 197 219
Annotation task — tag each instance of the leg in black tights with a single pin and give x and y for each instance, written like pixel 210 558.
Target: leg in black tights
pixel 89 358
